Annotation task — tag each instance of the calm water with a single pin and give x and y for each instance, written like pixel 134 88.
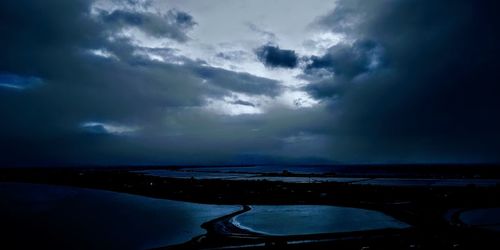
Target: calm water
pixel 188 175
pixel 301 179
pixel 310 219
pixel 225 173
pixel 272 169
pixel 488 218
pixel 57 217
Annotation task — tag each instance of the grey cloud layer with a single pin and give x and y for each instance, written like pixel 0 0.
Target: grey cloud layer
pixel 416 82
pixel 43 125
pixel 433 96
pixel 174 24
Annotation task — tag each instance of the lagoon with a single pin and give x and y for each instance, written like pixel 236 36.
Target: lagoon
pixel 57 217
pixel 313 219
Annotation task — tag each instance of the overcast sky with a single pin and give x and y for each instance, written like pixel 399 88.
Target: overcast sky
pixel 248 82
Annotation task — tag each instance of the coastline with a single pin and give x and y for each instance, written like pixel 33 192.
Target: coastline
pixel 421 207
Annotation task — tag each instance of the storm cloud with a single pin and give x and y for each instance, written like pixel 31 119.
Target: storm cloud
pixel 273 56
pixel 90 103
pixel 432 97
pixel 349 60
pixel 174 24
pixel 174 82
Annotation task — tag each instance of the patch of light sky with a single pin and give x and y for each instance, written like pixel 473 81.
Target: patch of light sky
pixel 228 32
pixel 239 104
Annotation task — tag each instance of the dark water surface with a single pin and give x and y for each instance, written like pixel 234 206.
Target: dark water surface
pixel 487 218
pixel 313 219
pixel 55 217
pixel 243 173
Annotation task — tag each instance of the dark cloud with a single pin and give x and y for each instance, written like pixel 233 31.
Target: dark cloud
pixel 239 82
pixel 272 56
pixel 244 103
pixel 414 81
pixel 174 24
pixel 328 89
pixel 88 103
pixel 342 66
pixel 433 98
pixel 349 60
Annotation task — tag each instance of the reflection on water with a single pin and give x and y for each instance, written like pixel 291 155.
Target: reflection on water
pixel 57 217
pixel 312 219
pixel 271 169
pixel 189 174
pixel 243 174
pixel 300 179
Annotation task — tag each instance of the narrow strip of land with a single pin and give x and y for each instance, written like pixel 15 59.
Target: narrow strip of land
pixel 223 226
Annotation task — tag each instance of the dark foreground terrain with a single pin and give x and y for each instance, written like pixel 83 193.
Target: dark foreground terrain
pixel 431 211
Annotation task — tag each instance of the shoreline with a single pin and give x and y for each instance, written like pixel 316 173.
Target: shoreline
pixel 421 207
